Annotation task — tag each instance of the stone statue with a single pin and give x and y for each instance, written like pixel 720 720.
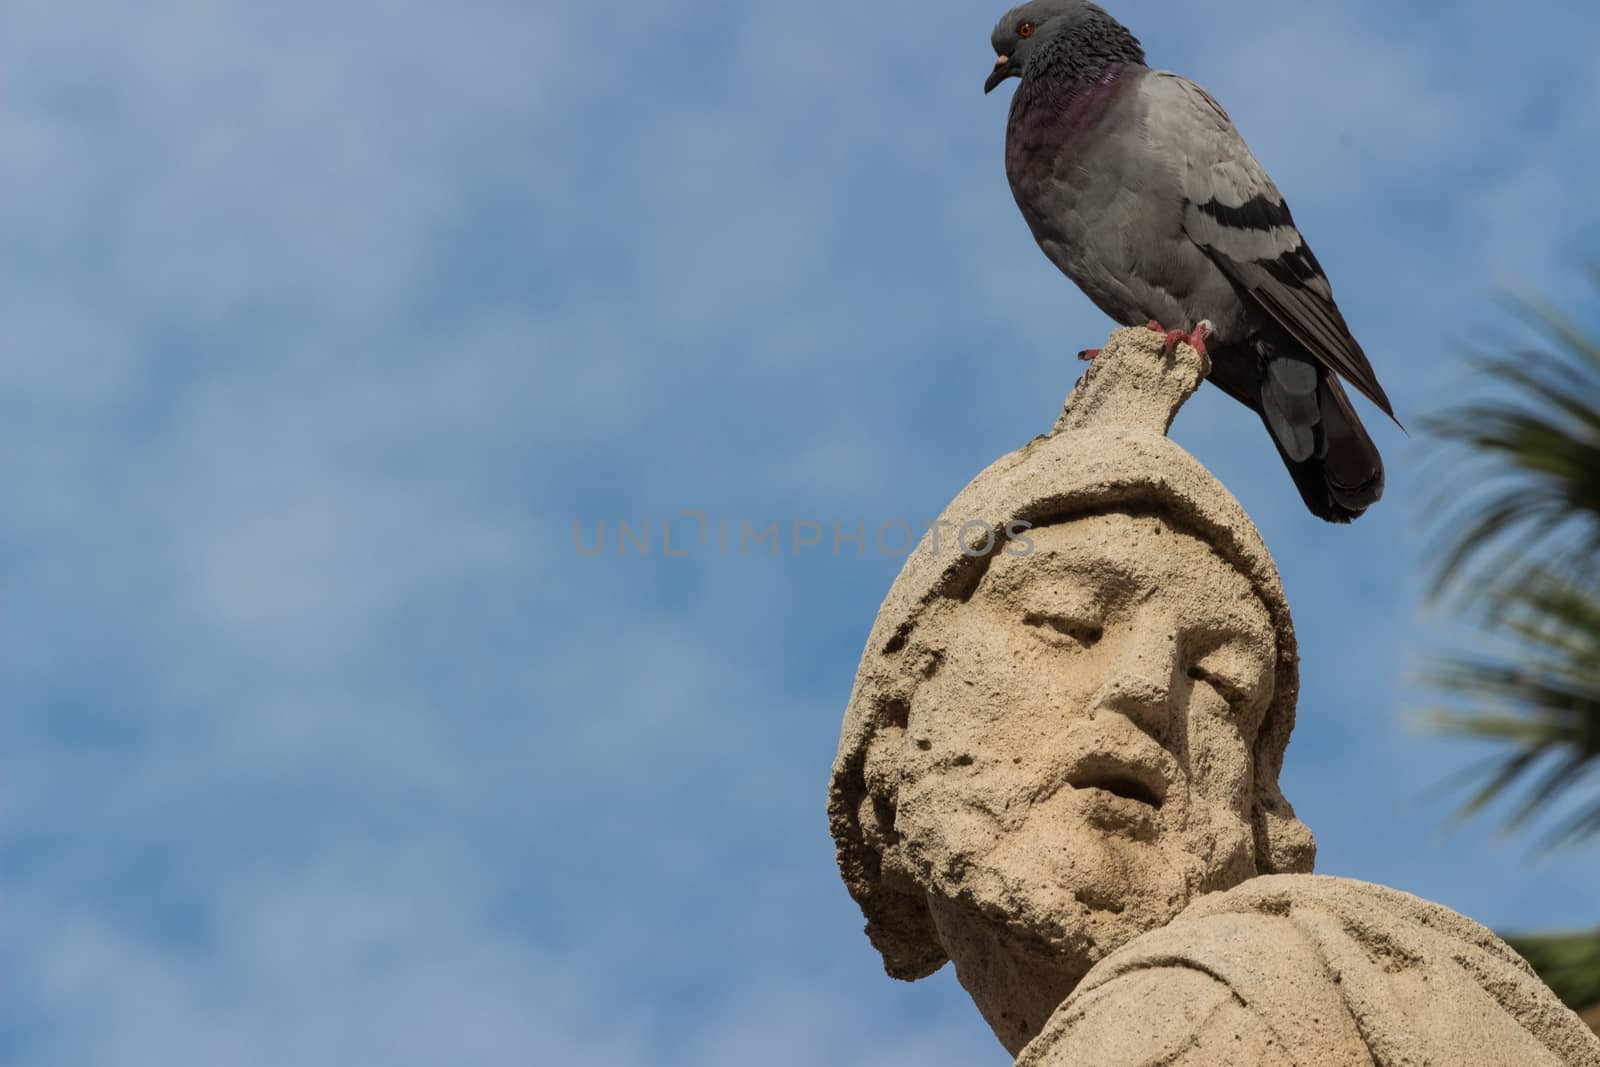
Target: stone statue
pixel 1059 770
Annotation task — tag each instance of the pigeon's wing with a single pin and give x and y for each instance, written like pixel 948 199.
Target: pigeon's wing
pixel 1237 216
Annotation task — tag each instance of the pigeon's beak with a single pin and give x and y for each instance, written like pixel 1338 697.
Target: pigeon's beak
pixel 1002 71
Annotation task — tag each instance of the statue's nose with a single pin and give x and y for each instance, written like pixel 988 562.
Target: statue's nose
pixel 1139 685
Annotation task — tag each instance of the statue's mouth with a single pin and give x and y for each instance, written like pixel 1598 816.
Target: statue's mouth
pixel 1121 777
pixel 1128 789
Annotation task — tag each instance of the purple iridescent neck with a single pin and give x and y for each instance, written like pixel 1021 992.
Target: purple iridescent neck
pixel 1062 87
pixel 1052 108
pixel 1088 56
pixel 1047 114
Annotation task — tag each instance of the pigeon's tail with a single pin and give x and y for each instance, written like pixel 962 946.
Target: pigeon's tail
pixel 1333 462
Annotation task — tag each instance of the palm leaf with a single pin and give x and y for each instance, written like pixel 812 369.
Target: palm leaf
pixel 1528 479
pixel 1517 549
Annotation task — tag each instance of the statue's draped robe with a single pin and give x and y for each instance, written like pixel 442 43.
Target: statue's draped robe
pixel 1315 971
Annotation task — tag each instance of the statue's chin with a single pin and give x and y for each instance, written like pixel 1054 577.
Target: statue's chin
pixel 1026 904
pixel 1023 930
pixel 1078 922
pixel 1026 913
pixel 1071 894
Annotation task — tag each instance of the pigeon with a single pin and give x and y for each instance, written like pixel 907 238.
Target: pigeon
pixel 1138 187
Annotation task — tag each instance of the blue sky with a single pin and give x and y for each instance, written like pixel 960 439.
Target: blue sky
pixel 324 323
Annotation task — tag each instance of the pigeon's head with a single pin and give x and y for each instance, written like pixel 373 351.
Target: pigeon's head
pixel 1030 29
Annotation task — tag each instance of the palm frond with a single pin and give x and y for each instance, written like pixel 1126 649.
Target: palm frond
pixel 1519 550
pixel 1528 480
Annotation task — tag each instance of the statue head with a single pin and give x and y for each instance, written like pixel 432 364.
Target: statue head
pixel 1054 745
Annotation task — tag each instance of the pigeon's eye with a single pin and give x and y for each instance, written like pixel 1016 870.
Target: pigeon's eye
pixel 1025 30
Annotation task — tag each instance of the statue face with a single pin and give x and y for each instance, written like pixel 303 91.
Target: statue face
pixel 1080 760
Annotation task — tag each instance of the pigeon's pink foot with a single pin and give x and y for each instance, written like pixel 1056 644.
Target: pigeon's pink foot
pixel 1195 339
pixel 1088 354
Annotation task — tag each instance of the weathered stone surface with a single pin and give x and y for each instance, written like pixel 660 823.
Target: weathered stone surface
pixel 1059 769
pixel 1308 970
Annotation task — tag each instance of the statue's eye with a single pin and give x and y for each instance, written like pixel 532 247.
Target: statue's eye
pixel 1226 688
pixel 1059 626
pixel 1025 30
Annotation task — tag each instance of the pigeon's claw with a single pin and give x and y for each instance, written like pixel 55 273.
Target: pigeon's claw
pixel 1173 336
pixel 1195 339
pixel 1088 354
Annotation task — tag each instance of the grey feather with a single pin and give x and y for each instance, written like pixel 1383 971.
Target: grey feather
pixel 1295 434
pixel 1237 215
pixel 1292 385
pixel 1295 377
